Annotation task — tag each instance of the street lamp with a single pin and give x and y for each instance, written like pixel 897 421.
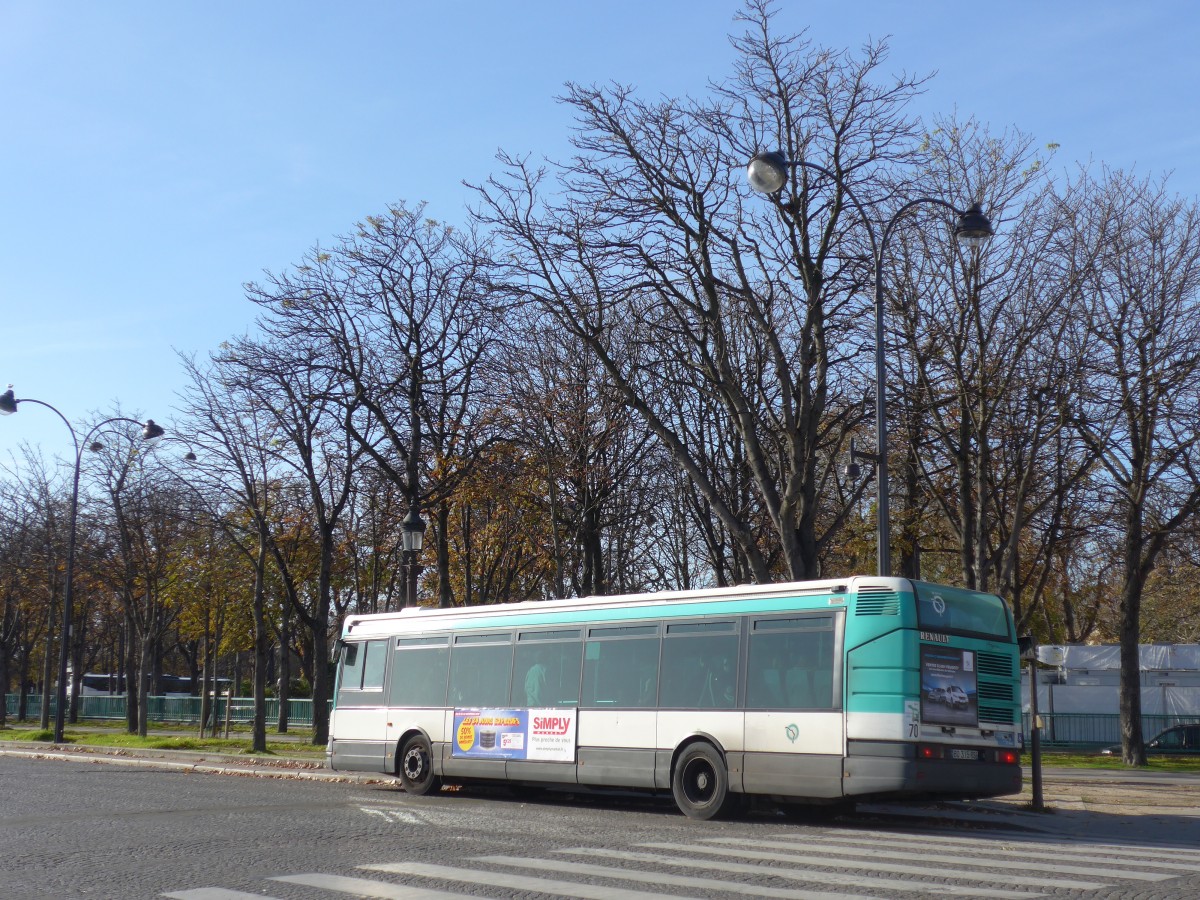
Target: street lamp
pixel 768 174
pixel 412 540
pixel 151 433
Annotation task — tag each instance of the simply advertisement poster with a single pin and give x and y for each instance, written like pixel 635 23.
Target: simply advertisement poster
pixel 536 734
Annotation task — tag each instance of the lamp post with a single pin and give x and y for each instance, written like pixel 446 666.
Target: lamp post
pixel 768 174
pixel 412 540
pixel 150 433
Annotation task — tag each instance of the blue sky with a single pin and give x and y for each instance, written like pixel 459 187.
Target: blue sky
pixel 157 155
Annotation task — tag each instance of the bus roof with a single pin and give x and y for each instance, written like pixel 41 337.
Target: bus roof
pixel 418 619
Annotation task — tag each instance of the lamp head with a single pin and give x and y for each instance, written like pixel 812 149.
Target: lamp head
pixel 152 432
pixel 8 403
pixel 412 531
pixel 973 228
pixel 768 172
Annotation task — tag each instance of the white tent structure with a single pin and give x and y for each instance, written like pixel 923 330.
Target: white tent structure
pixel 1078 698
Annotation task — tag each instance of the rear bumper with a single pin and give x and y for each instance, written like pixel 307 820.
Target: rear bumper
pixel 894 771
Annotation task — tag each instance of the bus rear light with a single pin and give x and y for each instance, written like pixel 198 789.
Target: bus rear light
pixel 927 752
pixel 1009 757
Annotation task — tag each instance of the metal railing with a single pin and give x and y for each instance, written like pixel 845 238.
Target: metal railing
pixel 1090 731
pixel 176 710
pixel 1076 731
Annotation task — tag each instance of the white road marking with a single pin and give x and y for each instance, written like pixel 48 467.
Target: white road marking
pixel 366 887
pixel 958 860
pixel 517 882
pixel 880 884
pixel 830 861
pixel 684 881
pixel 1148 856
pixel 214 893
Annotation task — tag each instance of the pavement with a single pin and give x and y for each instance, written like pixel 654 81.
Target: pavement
pixel 1086 804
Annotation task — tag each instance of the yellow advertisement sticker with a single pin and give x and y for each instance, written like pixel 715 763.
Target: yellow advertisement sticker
pixel 466 736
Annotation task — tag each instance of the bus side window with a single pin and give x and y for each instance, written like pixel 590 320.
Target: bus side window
pixel 799 688
pixel 699 667
pixel 791 664
pixel 479 675
pixel 363 664
pixel 352 667
pixel 621 673
pixel 546 671
pixel 374 666
pixel 419 676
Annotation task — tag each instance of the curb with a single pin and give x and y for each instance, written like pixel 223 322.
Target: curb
pixel 208 763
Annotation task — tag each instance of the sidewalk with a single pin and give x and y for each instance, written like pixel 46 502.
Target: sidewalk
pixel 193 761
pixel 1115 806
pixel 1096 805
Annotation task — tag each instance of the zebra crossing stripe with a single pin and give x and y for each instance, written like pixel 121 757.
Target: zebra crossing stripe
pixel 214 893
pixel 683 881
pixel 519 882
pixel 365 887
pixel 977 862
pixel 843 862
pixel 841 878
pixel 1148 857
pixel 1129 848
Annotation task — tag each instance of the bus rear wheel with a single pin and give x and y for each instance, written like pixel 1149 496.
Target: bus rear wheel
pixel 701 783
pixel 416 766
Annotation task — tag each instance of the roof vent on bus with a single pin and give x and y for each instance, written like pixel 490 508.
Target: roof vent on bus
pixel 878 601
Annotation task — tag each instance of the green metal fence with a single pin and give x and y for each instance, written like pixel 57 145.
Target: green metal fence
pixel 1090 731
pixel 1075 731
pixel 181 710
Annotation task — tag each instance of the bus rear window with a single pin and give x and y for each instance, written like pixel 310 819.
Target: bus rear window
pixel 959 611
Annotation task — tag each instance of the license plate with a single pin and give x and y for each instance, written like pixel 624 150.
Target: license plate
pixel 964 754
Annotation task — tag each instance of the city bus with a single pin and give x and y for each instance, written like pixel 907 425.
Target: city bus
pixel 99 684
pixel 808 694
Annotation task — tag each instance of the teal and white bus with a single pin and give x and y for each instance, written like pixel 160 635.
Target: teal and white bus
pixel 822 692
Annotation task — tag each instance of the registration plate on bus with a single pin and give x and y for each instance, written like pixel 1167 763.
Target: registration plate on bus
pixel 964 754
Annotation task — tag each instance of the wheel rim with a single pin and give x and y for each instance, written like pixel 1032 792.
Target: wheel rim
pixel 699 782
pixel 415 764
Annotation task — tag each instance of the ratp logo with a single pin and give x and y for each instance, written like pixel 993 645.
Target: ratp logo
pixel 792 732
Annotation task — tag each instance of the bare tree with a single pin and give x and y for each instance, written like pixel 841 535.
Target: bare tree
pixel 398 313
pixel 232 434
pixel 989 342
pixel 1139 411
pixel 642 248
pixel 591 454
pixel 315 445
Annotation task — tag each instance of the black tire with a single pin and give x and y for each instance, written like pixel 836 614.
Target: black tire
pixel 700 783
pixel 416 766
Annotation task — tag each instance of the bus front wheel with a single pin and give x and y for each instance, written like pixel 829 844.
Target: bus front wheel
pixel 416 766
pixel 701 783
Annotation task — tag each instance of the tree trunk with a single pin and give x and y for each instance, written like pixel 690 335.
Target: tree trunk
pixel 132 682
pixel 320 680
pixel 1133 748
pixel 47 669
pixel 143 682
pixel 262 649
pixel 285 669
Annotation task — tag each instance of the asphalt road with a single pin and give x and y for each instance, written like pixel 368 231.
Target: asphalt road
pixel 77 829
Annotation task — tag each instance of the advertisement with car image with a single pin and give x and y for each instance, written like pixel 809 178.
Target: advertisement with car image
pixel 948 686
